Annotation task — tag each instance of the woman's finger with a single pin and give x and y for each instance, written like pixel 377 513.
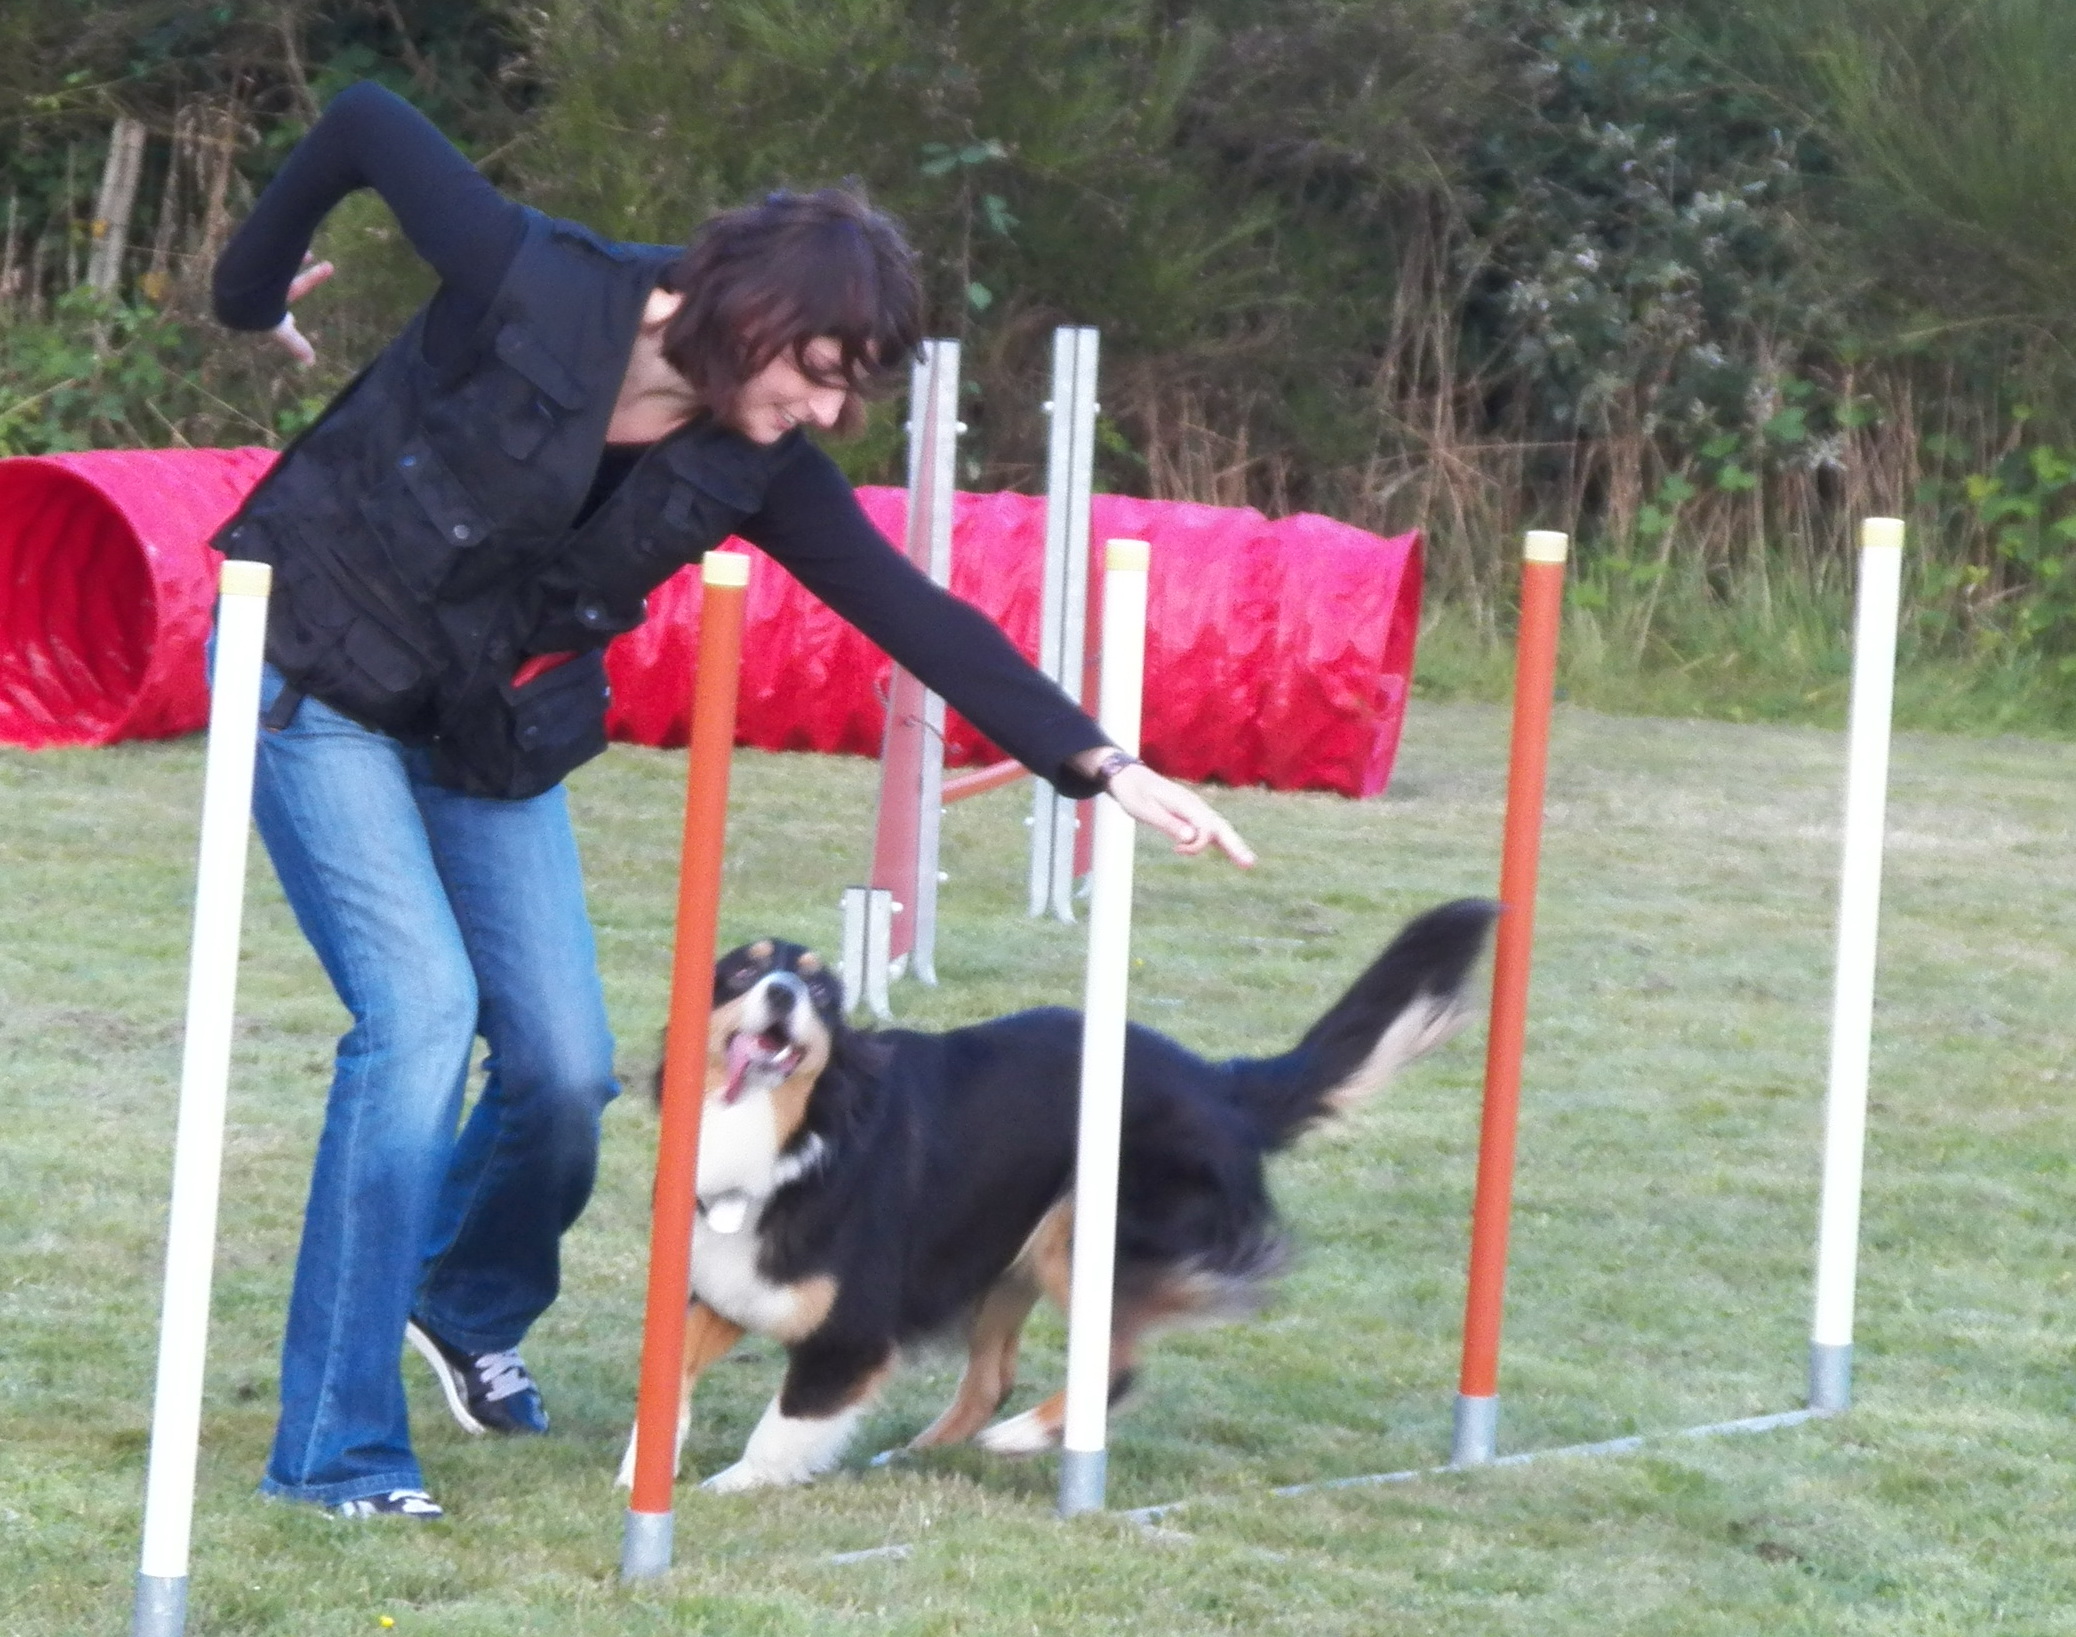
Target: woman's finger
pixel 286 335
pixel 1192 823
pixel 308 279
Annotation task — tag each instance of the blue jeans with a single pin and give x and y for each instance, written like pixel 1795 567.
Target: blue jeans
pixel 439 917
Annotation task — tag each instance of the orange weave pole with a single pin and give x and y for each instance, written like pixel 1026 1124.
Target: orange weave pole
pixel 725 577
pixel 1535 675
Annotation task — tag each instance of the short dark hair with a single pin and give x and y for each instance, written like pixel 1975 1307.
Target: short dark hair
pixel 769 278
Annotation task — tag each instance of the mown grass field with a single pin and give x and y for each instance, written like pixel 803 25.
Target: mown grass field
pixel 1662 1231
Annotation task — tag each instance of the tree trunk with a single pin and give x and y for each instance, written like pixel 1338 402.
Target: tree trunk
pixel 116 205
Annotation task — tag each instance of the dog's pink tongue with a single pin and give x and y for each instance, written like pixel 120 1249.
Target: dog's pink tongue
pixel 742 1051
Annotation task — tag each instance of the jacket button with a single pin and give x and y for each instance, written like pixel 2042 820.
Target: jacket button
pixel 461 531
pixel 529 733
pixel 407 462
pixel 591 614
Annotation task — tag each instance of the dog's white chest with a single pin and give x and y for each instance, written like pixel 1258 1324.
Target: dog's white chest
pixel 739 1170
pixel 738 1148
pixel 725 1277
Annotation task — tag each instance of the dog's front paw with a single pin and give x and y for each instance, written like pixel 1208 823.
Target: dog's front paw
pixel 1031 1433
pixel 742 1476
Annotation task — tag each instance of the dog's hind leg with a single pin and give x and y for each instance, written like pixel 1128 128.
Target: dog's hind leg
pixel 708 1337
pixel 1041 1427
pixel 990 1372
pixel 804 1430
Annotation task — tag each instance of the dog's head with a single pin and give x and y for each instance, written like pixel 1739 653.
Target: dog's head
pixel 778 1016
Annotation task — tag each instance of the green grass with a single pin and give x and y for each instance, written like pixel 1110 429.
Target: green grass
pixel 1777 650
pixel 1662 1231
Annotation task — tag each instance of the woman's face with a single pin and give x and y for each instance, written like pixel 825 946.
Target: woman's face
pixel 781 396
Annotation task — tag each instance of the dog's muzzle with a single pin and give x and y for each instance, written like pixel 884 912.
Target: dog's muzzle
pixel 766 1044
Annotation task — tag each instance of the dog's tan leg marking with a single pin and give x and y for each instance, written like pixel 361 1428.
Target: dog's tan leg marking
pixel 990 1373
pixel 708 1337
pixel 1049 1252
pixel 1041 1427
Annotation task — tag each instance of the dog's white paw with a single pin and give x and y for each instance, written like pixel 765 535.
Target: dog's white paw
pixel 1026 1434
pixel 736 1479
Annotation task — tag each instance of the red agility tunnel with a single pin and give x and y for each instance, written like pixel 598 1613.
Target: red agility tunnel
pixel 1277 653
pixel 107 590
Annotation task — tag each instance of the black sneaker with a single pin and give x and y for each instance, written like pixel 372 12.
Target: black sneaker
pixel 487 1392
pixel 398 1503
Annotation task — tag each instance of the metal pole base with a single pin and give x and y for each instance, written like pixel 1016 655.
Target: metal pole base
pixel 1083 1480
pixel 161 1606
pixel 1830 1378
pixel 645 1547
pixel 1477 1431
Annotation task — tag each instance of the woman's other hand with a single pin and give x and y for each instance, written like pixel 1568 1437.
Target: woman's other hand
pixel 1178 812
pixel 285 333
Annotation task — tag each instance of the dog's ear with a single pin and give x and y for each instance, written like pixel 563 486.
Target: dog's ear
pixel 858 1055
pixel 848 1089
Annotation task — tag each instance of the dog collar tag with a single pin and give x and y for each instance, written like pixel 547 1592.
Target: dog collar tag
pixel 726 1213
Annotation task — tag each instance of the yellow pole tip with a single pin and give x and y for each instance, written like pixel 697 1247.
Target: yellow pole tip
pixel 725 568
pixel 1132 555
pixel 1883 532
pixel 1545 546
pixel 243 579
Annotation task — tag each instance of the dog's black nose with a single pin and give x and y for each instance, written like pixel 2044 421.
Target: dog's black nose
pixel 783 991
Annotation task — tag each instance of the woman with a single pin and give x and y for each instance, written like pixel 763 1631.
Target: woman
pixel 566 423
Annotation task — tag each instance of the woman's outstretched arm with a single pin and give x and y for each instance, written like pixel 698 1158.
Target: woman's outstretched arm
pixel 465 230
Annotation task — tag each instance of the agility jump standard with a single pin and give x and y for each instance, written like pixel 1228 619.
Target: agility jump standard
pixel 911 769
pixel 1058 839
pixel 645 1547
pixel 205 1069
pixel 1083 1460
pixel 891 925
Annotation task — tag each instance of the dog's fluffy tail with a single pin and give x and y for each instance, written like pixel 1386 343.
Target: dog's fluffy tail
pixel 1407 1003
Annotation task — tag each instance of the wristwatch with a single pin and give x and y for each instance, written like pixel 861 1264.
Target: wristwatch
pixel 1114 762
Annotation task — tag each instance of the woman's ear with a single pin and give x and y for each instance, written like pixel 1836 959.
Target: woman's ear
pixel 662 308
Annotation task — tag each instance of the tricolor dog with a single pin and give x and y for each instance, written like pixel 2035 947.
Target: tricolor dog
pixel 863 1191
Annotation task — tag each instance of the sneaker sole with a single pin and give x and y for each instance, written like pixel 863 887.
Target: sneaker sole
pixel 451 1383
pixel 341 1514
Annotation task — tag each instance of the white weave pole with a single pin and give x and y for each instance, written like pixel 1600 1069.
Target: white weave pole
pixel 1083 1460
pixel 1852 1003
pixel 205 1068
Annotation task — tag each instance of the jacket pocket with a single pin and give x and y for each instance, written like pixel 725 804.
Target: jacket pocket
pixel 426 520
pixel 340 635
pixel 550 396
pixel 514 742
